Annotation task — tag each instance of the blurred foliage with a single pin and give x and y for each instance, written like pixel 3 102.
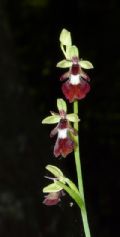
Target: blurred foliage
pixel 10 207
pixel 36 3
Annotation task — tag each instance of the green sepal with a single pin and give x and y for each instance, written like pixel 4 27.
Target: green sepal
pixel 72 185
pixel 73 117
pixel 64 64
pixel 86 64
pixel 72 51
pixel 55 171
pixel 52 188
pixel 61 105
pixel 51 119
pixel 65 37
pixel 73 194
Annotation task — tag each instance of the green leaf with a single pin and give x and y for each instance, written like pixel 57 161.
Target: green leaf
pixel 55 171
pixel 72 51
pixel 65 37
pixel 64 64
pixel 52 188
pixel 73 117
pixel 51 119
pixel 86 64
pixel 61 104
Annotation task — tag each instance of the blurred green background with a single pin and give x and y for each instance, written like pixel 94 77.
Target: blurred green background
pixel 29 86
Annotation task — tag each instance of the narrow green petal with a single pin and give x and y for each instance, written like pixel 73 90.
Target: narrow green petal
pixel 86 64
pixel 64 64
pixel 73 117
pixel 51 119
pixel 52 188
pixel 61 105
pixel 55 171
pixel 63 48
pixel 65 37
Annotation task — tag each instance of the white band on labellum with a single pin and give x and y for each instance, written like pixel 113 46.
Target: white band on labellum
pixel 75 79
pixel 62 133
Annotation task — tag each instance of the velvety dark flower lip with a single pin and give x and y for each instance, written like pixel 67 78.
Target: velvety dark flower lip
pixel 64 144
pixel 75 92
pixel 77 85
pixel 63 147
pixel 52 198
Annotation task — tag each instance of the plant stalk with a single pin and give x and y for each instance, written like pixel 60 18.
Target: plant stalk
pixel 79 174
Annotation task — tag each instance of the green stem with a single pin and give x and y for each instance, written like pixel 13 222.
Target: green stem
pixel 79 174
